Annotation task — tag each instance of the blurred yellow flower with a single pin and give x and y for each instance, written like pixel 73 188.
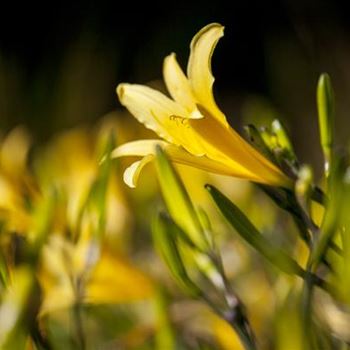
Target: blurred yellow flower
pixel 15 308
pixel 82 262
pixel 18 189
pixel 194 130
pixel 85 273
pixel 70 163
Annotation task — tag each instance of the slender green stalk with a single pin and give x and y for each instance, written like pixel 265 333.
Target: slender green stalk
pixel 238 321
pixel 235 314
pixel 80 334
pixel 306 309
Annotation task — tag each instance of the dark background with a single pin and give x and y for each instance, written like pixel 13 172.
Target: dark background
pixel 60 62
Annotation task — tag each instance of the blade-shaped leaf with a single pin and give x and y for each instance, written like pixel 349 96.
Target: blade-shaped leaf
pixel 165 233
pixel 178 202
pixel 99 189
pixel 165 335
pixel 251 235
pixel 43 217
pixel 339 190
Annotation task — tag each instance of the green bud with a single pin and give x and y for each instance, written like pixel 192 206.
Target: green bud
pixel 325 105
pixel 282 137
pixel 269 138
pixel 303 185
pixel 257 140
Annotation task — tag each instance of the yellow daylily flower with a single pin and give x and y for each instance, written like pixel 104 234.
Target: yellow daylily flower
pixel 70 163
pixel 194 130
pixel 86 273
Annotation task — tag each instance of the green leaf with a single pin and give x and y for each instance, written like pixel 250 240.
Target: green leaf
pixel 4 271
pixel 165 335
pixel 339 190
pixel 178 202
pixel 165 235
pixel 345 240
pixel 325 105
pixel 43 217
pixel 251 235
pixel 99 189
pixel 95 200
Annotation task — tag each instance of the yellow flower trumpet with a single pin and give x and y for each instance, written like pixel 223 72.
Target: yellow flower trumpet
pixel 194 130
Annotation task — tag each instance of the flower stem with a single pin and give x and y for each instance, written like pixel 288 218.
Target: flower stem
pixel 238 321
pixel 79 326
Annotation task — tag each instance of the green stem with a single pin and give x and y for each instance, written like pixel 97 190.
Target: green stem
pixel 77 312
pixel 234 313
pixel 238 321
pixel 307 309
pixel 79 326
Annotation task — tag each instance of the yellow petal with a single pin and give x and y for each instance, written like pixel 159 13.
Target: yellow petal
pixel 139 148
pixel 225 145
pixel 179 155
pixel 132 173
pixel 162 115
pixel 199 68
pixel 57 297
pixel 14 151
pixel 151 108
pixel 178 84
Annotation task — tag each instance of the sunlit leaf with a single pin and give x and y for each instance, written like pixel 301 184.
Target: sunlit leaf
pixel 165 335
pixel 339 189
pixel 165 234
pixel 251 235
pixel 178 202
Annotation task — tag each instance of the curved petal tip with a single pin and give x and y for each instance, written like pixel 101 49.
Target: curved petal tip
pixel 132 173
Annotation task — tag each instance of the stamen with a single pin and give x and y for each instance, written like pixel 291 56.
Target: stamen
pixel 179 120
